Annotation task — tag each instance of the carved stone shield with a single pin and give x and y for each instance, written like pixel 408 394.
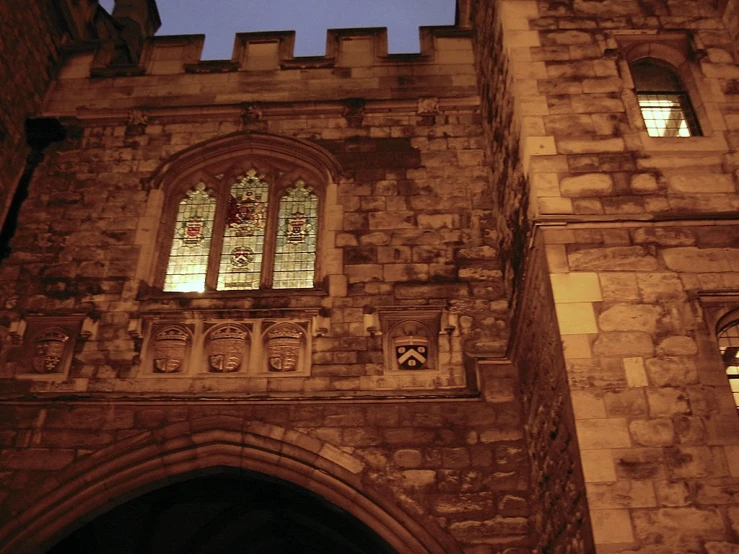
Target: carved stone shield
pixel 226 349
pixel 284 343
pixel 170 347
pixel 48 351
pixel 411 352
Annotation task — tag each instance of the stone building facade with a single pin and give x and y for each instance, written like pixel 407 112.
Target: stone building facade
pixel 464 297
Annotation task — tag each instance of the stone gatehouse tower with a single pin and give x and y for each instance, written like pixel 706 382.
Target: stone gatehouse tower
pixel 480 299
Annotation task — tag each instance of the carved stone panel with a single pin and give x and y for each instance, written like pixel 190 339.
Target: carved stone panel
pixel 170 346
pixel 411 340
pixel 48 346
pixel 226 348
pixel 284 348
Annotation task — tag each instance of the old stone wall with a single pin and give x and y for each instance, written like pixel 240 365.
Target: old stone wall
pixel 500 111
pixel 437 461
pixel 405 231
pixel 644 250
pixel 656 422
pixel 558 495
pixel 30 37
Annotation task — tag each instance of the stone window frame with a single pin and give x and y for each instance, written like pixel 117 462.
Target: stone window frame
pixel 676 51
pixel 726 324
pixel 283 160
pixel 674 92
pixel 721 311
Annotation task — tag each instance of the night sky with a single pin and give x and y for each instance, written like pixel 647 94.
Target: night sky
pixel 220 20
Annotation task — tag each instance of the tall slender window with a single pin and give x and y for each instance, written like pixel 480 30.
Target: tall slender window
pixel 188 257
pixel 295 253
pixel 243 239
pixel 728 344
pixel 664 103
pixel 251 230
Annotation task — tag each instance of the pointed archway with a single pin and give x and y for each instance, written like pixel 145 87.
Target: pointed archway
pixel 199 448
pixel 226 512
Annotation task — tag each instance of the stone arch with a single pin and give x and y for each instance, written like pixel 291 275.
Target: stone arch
pixel 152 459
pixel 302 153
pixel 293 159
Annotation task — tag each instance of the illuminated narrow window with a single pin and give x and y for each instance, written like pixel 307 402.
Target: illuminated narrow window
pixel 243 238
pixel 188 256
pixel 295 249
pixel 728 344
pixel 665 105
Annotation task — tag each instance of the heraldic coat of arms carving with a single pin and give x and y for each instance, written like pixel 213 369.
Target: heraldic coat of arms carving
pixel 170 348
pixel 226 349
pixel 48 351
pixel 284 342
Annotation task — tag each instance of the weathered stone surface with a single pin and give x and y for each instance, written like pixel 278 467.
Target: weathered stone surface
pixel 485 532
pixel 653 432
pixel 623 344
pixel 627 317
pixel 644 183
pixel 590 184
pixel 614 258
pixel 621 494
pixel 695 260
pixel 660 287
pixel 671 371
pixel 681 528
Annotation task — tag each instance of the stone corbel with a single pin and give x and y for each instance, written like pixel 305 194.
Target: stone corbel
pixel 135 331
pixel 17 330
pixel 371 321
pixel 321 323
pixel 450 322
pixel 89 329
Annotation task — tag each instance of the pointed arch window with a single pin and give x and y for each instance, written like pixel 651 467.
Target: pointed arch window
pixel 663 100
pixel 252 227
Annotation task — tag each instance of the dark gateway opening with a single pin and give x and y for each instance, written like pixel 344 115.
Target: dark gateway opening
pixel 225 513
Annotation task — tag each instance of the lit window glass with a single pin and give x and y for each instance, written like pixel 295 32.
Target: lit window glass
pixel 188 257
pixel 728 344
pixel 295 251
pixel 243 239
pixel 664 104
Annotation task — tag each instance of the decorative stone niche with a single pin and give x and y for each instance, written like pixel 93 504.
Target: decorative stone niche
pixel 48 347
pixel 411 340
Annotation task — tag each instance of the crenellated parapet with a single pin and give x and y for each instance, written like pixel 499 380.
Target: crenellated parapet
pixel 263 69
pixel 271 51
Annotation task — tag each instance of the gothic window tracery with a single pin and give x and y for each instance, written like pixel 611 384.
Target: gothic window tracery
pixel 253 227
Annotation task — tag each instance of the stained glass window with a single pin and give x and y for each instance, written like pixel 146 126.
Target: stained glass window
pixel 188 257
pixel 243 240
pixel 250 232
pixel 295 249
pixel 728 344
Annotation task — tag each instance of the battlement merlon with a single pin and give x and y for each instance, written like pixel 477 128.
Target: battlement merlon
pixel 269 51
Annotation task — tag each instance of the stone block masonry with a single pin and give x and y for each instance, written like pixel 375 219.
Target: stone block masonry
pixel 492 210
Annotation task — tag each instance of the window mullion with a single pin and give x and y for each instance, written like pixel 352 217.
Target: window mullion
pixel 270 238
pixel 211 278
